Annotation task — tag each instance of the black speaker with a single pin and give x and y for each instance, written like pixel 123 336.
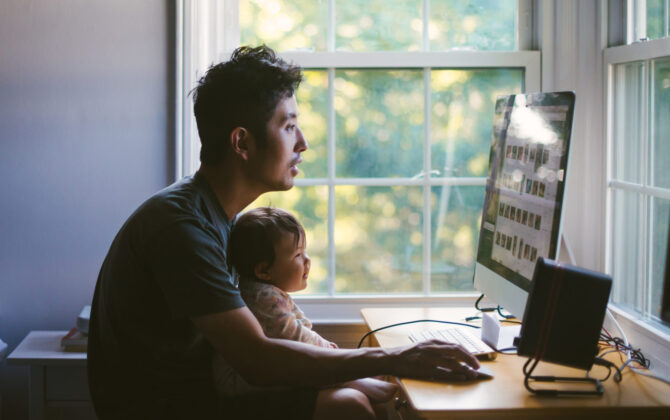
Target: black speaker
pixel 564 315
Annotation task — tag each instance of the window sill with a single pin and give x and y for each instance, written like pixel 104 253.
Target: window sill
pixel 347 309
pixel 650 336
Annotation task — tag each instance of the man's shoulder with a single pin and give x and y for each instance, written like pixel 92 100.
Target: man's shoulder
pixel 186 201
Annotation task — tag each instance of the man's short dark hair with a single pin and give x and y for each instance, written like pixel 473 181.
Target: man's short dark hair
pixel 241 92
pixel 254 235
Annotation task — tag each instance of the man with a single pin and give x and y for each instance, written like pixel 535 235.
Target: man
pixel 165 298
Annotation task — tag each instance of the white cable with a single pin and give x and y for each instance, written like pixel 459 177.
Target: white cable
pixel 629 359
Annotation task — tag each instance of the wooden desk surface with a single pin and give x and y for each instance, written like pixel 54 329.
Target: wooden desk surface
pixel 505 395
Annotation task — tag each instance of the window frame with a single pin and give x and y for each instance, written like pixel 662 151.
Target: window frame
pixel 197 26
pixel 642 329
pixel 613 56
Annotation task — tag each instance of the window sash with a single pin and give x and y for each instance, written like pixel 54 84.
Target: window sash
pixel 638 52
pixel 636 20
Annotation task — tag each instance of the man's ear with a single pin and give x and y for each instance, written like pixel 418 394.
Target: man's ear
pixel 239 142
pixel 262 271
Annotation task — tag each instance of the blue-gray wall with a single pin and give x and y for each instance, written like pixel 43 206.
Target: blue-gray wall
pixel 85 135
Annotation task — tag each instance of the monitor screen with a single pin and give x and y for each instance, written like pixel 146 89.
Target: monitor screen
pixel 521 219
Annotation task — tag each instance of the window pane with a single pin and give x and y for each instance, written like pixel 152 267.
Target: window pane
pixel 462 104
pixel 627 244
pixel 655 17
pixel 310 206
pixel 628 124
pixel 378 25
pixel 284 25
pixel 378 239
pixel 455 217
pixel 659 243
pixel 312 99
pixel 661 123
pixel 473 24
pixel 379 123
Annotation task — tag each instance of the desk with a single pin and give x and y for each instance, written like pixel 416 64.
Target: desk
pixel 505 396
pixel 58 381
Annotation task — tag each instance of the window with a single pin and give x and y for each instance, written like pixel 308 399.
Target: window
pixel 397 106
pixel 648 19
pixel 638 176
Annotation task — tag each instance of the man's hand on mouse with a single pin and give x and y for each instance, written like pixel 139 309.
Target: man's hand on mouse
pixel 434 360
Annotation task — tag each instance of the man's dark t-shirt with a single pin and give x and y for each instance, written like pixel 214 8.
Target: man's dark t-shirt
pixel 167 264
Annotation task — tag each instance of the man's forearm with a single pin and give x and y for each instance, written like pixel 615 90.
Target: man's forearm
pixel 293 363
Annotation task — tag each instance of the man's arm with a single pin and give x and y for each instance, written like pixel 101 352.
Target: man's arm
pixel 239 338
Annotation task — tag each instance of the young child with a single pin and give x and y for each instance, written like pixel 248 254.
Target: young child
pixel 267 250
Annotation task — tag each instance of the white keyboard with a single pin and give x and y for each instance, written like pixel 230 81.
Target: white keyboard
pixel 459 335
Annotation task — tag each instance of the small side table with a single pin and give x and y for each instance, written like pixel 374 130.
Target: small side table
pixel 58 380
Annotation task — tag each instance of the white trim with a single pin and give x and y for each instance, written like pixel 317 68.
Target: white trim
pixel 427 235
pixel 609 156
pixel 179 89
pixel 425 29
pixel 331 185
pixel 548 41
pixel 346 308
pixel 641 189
pixel 638 52
pixel 331 25
pixel 524 25
pixel 391 182
pixel 406 60
pixel 231 25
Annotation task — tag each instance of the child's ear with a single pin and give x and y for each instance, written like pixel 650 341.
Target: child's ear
pixel 262 271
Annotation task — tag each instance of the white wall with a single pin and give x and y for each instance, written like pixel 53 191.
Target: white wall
pixel 85 135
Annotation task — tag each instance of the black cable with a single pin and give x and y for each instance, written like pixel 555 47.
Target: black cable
pixel 479 299
pixel 491 309
pixel 360 343
pixel 503 315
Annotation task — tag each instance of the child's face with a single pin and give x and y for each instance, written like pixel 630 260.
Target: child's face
pixel 291 265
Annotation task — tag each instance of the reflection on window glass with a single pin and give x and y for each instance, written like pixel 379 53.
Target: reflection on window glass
pixel 379 123
pixel 378 239
pixel 627 130
pixel 312 96
pixel 455 219
pixel 626 248
pixel 284 25
pixel 655 18
pixel 659 242
pixel 661 122
pixel 462 103
pixel 310 206
pixel 378 25
pixel 473 24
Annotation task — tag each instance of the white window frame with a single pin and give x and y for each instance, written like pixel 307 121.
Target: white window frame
pixel 614 56
pixel 641 328
pixel 198 25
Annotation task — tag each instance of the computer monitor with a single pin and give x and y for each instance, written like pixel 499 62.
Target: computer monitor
pixel 521 219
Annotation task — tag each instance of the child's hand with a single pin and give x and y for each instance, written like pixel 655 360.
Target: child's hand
pixel 377 391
